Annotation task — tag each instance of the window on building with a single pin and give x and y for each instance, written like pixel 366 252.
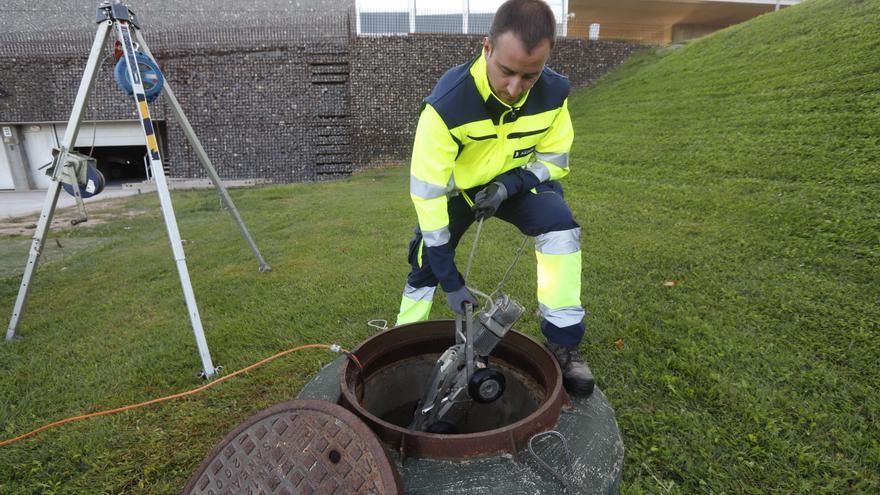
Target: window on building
pixel 437 16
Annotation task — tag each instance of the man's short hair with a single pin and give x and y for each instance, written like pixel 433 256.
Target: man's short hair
pixel 531 21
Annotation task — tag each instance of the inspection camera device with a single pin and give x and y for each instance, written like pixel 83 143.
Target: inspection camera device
pixel 461 374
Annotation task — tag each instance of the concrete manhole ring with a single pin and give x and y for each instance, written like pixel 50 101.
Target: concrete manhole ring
pixel 297 447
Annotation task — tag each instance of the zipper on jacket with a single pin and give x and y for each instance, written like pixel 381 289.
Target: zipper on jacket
pixel 502 138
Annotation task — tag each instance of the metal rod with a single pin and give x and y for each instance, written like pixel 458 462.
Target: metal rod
pixel 459 332
pixel 206 161
pixel 79 105
pixel 469 339
pixel 82 96
pixel 125 38
pixel 77 195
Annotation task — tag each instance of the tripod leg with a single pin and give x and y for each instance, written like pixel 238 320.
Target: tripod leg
pixel 206 162
pixel 79 105
pixel 125 38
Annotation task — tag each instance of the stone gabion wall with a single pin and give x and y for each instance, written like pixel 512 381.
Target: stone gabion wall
pixel 295 103
pixel 269 113
pixel 392 74
pixel 583 62
pixel 49 16
pixel 43 88
pixel 264 104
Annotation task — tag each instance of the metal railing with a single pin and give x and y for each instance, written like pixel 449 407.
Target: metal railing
pixel 378 23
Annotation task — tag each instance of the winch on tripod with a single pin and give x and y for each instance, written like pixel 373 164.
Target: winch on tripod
pixel 80 171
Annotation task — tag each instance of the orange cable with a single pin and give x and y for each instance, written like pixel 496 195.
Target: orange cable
pixel 181 394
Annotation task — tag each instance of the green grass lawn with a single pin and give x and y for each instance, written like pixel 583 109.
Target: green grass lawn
pixel 745 167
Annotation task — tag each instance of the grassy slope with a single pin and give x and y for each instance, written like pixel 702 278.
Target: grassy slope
pixel 743 166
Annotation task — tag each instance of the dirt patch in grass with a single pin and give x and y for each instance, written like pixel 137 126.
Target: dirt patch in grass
pixel 98 212
pixel 16 233
pixel 14 252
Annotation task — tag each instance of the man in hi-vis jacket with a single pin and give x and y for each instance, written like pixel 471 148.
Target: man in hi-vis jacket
pixel 492 140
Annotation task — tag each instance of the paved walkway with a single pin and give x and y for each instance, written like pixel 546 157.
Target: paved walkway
pixel 19 203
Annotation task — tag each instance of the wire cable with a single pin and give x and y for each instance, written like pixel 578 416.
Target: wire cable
pixel 510 267
pixel 557 474
pixel 470 262
pixel 94 89
pixel 334 348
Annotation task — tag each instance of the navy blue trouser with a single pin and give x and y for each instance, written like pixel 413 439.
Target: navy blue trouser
pixel 542 214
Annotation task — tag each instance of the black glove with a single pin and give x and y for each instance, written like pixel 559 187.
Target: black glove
pixel 457 298
pixel 487 201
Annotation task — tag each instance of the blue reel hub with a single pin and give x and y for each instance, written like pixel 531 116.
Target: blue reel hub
pixel 151 76
pixel 94 183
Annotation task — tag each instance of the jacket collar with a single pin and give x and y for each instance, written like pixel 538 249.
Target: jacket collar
pixel 480 74
pixel 494 105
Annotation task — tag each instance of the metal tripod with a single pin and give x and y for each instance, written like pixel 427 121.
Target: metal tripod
pixel 112 13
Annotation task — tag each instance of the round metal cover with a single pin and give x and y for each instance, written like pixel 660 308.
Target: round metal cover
pixel 298 447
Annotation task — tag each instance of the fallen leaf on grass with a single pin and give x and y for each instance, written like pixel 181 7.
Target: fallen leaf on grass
pixel 618 343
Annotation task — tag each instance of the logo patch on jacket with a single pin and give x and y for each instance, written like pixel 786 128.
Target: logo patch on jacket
pixel 523 152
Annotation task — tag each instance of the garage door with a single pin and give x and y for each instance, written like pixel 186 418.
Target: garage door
pixel 5 175
pixel 127 133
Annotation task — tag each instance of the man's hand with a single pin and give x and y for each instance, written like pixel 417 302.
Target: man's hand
pixel 456 299
pixel 487 201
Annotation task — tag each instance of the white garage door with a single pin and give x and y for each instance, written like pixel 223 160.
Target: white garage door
pixel 6 181
pixel 38 142
pixel 39 139
pixel 127 133
pixel 5 175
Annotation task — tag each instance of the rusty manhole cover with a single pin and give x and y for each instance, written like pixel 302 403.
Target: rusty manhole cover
pixel 297 447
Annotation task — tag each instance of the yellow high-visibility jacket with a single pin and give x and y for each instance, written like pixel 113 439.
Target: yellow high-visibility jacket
pixel 467 137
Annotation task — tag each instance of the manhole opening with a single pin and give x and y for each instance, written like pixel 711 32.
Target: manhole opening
pixel 397 365
pixel 392 393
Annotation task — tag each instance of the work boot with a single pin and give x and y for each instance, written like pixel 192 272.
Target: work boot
pixel 576 375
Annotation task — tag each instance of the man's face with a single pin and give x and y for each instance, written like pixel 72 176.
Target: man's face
pixel 513 70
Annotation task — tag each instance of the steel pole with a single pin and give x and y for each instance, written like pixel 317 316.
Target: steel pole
pixel 79 105
pixel 125 38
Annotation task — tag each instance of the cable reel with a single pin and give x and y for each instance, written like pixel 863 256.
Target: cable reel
pixel 79 170
pixel 90 185
pixel 151 76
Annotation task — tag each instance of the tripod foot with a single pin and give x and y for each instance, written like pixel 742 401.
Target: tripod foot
pixel 202 375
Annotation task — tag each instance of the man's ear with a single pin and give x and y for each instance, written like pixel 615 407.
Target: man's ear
pixel 487 46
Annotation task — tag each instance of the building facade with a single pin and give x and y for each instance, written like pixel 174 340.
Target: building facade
pixel 649 21
pixel 277 92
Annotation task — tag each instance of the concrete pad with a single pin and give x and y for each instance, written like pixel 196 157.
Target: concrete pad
pixel 14 204
pixel 187 184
